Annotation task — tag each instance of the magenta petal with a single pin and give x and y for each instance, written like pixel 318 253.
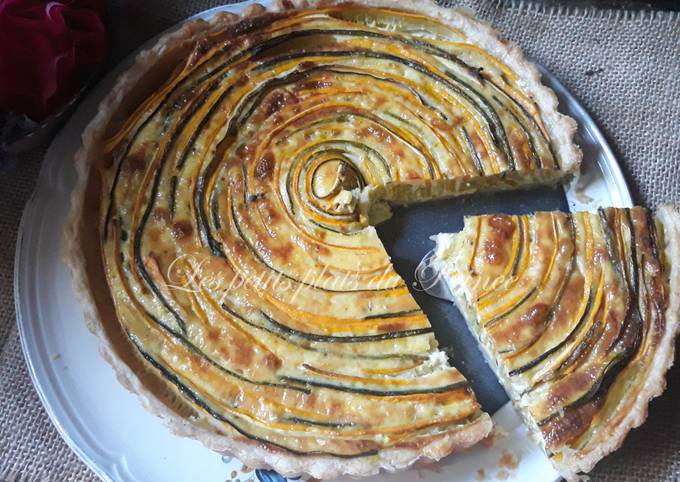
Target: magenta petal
pixel 54 17
pixel 46 50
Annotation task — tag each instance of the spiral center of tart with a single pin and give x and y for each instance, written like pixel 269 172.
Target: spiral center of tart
pixel 335 183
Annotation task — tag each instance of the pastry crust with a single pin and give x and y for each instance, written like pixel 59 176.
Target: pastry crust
pixel 83 254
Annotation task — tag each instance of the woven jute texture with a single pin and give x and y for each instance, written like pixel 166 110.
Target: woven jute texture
pixel 623 66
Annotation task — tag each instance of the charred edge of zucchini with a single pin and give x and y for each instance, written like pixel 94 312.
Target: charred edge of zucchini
pixel 643 289
pixel 280 335
pixel 201 217
pixel 327 228
pixel 122 157
pixel 634 255
pixel 512 309
pixel 632 284
pixel 654 237
pixel 397 314
pixel 380 393
pixel 474 155
pixel 619 262
pixel 582 347
pixel 316 423
pixel 214 207
pixel 173 197
pixel 659 256
pixel 346 339
pixel 608 241
pixel 520 244
pixel 199 402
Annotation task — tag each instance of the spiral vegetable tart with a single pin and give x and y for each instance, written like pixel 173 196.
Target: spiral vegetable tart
pixel 222 231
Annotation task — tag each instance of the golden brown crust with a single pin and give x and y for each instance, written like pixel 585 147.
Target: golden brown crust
pixel 84 258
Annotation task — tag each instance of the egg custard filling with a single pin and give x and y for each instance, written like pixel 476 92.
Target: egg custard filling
pixel 236 204
pixel 574 313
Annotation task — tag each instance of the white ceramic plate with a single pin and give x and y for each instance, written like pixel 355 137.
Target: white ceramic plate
pixel 107 426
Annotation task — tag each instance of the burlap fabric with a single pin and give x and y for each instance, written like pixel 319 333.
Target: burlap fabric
pixel 623 66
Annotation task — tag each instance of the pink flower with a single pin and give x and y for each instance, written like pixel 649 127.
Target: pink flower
pixel 47 49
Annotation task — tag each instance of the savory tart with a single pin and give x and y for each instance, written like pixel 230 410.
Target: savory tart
pixel 578 314
pixel 222 236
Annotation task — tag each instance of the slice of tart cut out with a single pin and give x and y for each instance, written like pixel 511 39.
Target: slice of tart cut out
pixel 576 312
pixel 234 203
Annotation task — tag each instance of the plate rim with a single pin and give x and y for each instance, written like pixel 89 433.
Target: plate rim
pixel 21 264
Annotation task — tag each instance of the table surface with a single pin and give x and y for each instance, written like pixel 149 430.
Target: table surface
pixel 625 68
